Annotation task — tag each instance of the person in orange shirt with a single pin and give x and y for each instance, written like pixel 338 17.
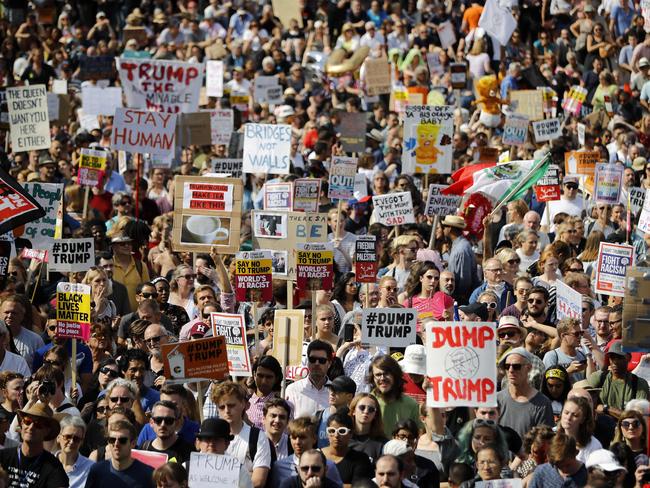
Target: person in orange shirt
pixel 471 16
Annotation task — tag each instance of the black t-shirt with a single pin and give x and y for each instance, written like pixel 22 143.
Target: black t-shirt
pixel 103 475
pixel 42 471
pixel 354 466
pixel 180 450
pixel 370 447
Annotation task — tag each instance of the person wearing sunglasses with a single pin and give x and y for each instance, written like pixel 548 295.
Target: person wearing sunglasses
pixel 569 354
pixel 571 202
pixel 128 270
pixel 165 420
pixel 493 274
pixel 147 308
pixel 182 289
pixel 368 433
pixel 535 316
pixel 310 394
pixel 76 466
pixel 155 336
pixel 632 430
pixel 352 465
pixel 123 392
pixel 341 393
pixel 312 471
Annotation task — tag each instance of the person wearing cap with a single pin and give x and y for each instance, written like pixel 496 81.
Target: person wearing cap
pixel 619 386
pixel 30 465
pixel 414 367
pixel 569 354
pixel 462 260
pixel 570 203
pixel 604 468
pixel 102 30
pixel 47 171
pixel 474 312
pixel 341 392
pixel 512 335
pixel 127 270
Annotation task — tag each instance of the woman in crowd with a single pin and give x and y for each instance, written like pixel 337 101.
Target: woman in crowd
pixel 590 253
pixel 547 265
pixel 368 432
pixel 170 475
pixel 556 386
pixel 267 380
pixel 475 435
pixel 106 372
pixel 12 387
pixel 536 446
pixel 420 288
pixel 577 421
pixel 100 343
pixel 352 465
pixel 632 429
pixel 346 292
pixel 182 289
pixel 103 307
pixel 510 261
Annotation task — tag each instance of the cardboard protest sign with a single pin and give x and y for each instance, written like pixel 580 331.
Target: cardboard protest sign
pixel 209 470
pixel 161 85
pixel 394 208
pixel 613 261
pixel 137 131
pixel 267 89
pixel 197 359
pixel 461 364
pixel 207 213
pixel 72 255
pixel 28 118
pixel 232 167
pixel 306 194
pixel 644 218
pixel 637 197
pixel 366 261
pixel 428 137
pixel 267 148
pixel 574 99
pixel 150 458
pixel 528 103
pixel 270 225
pixel 377 76
pixel 582 130
pixel 221 125
pixel 96 100
pixel 446 34
pixel 515 132
pixel 581 162
pixel 39 255
pixel 441 205
pixel 73 310
pixel 214 78
pixel 353 132
pixel 341 178
pixel 608 182
pixel 253 276
pixel 40 232
pixel 92 166
pixel 278 196
pixel 233 328
pixel 17 206
pixel 315 266
pixel 547 130
pixel 288 334
pixel 569 302
pixel 394 326
pixel 458 72
pixel 96 67
pixel 548 186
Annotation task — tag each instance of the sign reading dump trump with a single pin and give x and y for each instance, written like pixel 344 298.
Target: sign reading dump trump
pixel 383 326
pixel 73 311
pixel 267 148
pixel 72 254
pixel 461 364
pixel 198 359
pixel 137 131
pixel 28 118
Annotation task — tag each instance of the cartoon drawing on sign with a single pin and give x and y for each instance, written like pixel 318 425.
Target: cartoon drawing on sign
pixel 205 229
pixel 462 363
pixel 427 152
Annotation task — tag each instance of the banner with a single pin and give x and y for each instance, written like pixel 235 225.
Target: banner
pixel 441 205
pixel 231 167
pixel 315 266
pixel 17 206
pixel 547 130
pixel 394 208
pixel 40 232
pixel 581 162
pixel 198 359
pixel 428 137
pixel 214 78
pixel 366 261
pixel 341 179
pixel 221 125
pixel 92 166
pixel 548 186
pixel 377 76
pixel 267 148
pixel 461 364
pixel 233 328
pixel 569 302
pixel 388 326
pixel 68 255
pixel 253 276
pixel 73 310
pixel 497 21
pixel 306 194
pixel 160 85
pixel 96 100
pixel 138 131
pixel 278 196
pixel 515 132
pixel 210 470
pixel 608 182
pixel 637 197
pixel 28 118
pixel 288 335
pixel 612 263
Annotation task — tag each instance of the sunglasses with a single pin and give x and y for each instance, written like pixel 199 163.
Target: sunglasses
pixel 111 373
pixel 53 363
pixel 39 424
pixel 101 409
pixel 491 305
pixel 514 261
pixel 165 420
pixel 515 366
pixel 125 202
pixel 120 440
pixel 367 408
pixel 338 431
pixel 314 360
pixel 313 469
pixel 508 333
pixel 571 186
pixel 484 423
pixel 630 424
pixel 51 328
pixel 74 438
pixel 189 276
pixel 120 399
pixel 534 301
pixel 149 295
pixel 155 340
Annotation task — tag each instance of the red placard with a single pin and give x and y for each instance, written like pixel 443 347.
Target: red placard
pixel 366 261
pixel 315 266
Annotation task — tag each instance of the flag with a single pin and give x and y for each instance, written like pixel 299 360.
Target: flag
pixel 17 206
pixel 497 21
pixel 464 178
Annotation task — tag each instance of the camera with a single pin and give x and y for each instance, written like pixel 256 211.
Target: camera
pixel 46 387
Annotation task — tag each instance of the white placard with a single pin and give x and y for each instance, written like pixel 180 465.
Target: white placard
pixel 547 129
pixel 214 78
pixel 221 125
pixel 394 208
pixel 28 118
pixel 569 302
pixel 394 326
pixel 72 255
pixel 101 101
pixel 137 131
pixel 267 148
pixel 210 470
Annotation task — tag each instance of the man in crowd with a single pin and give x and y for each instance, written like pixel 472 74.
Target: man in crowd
pixel 309 394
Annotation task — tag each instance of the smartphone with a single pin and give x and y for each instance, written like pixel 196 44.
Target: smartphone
pixel 348 332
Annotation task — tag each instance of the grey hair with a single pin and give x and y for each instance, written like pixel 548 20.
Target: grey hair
pixel 72 421
pixel 130 385
pixel 117 198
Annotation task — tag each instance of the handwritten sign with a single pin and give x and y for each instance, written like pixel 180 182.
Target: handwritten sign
pixel 394 208
pixel 428 137
pixel 214 78
pixel 608 182
pixel 198 359
pixel 569 302
pixel 382 326
pixel 210 470
pixel 377 76
pixel 73 310
pixel 341 180
pixel 137 131
pixel 441 205
pixel 233 329
pixel 253 272
pixel 28 118
pixel 306 194
pixel 547 130
pixel 221 126
pixel 515 132
pixel 366 261
pixel 315 266
pixel 267 148
pixel 613 261
pixel 72 255
pixel 41 231
pixel 278 196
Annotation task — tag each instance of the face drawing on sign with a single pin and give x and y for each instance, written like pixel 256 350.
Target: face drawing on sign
pixel 427 152
pixel 462 363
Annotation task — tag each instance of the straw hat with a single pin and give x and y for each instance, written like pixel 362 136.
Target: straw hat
pixel 43 413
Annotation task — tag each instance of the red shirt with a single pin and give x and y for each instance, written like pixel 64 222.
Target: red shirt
pixel 413 390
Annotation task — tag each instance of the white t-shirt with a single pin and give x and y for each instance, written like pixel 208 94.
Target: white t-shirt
pixel 573 207
pixel 239 448
pixel 13 362
pixel 583 454
pixel 526 261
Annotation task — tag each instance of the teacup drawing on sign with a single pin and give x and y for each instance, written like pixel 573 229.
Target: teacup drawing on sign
pixel 205 229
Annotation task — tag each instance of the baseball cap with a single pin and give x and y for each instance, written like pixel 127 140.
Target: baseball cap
pixel 198 329
pixel 605 460
pixel 477 308
pixel 521 351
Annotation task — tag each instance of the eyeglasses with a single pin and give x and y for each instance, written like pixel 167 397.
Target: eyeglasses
pixel 154 340
pixel 73 438
pixel 314 360
pixel 630 424
pixel 514 261
pixel 120 440
pixel 101 409
pixel 109 372
pixel 149 295
pixel 313 469
pixel 39 424
pixel 491 305
pixel 508 333
pixel 120 399
pixel 576 270
pixel 367 408
pixel 515 366
pixel 189 277
pixel 571 186
pixel 165 420
pixel 535 301
pixel 487 462
pixel 53 363
pixel 338 431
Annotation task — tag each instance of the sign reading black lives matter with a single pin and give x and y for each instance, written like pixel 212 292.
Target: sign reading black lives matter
pixel 383 326
pixel 441 205
pixel 68 255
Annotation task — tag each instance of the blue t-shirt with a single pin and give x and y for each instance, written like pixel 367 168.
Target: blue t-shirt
pixel 148 397
pixel 103 475
pixel 84 356
pixel 323 440
pixel 187 433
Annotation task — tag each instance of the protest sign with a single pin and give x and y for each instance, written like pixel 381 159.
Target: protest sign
pixel 574 99
pixel 17 206
pixel 28 118
pixel 377 76
pixel 461 364
pixel 253 273
pixel 270 225
pixel 547 130
pixel 286 10
pixel 267 89
pixel 210 470
pixel 637 197
pixel 341 180
pixel 366 261
pixel 279 261
pixel 441 205
pixel 515 132
pixel 138 131
pixel 394 208
pixel 207 213
pixel 96 67
pixel 73 310
pixel 528 103
pixel 7 251
pixel 193 129
pixel 288 334
pixel 221 125
pixel 214 78
pixel 446 34
pixel 72 255
pixel 306 194
pixel 608 182
pixel 498 21
pixel 39 255
pixel 232 167
pixel 582 129
pixel 458 72
pixel 60 87
pixel 502 483
pixel 233 328
pixel 394 326
pixel 360 186
pixel 581 162
pixel 96 100
pixel 353 132
pixel 198 359
pixel 548 186
pixel 278 196
pixel 315 266
pixel 40 232
pixel 92 166
pixel 428 134
pixel 644 218
pixel 613 261
pixel 569 302
pixel 161 85
pixel 267 148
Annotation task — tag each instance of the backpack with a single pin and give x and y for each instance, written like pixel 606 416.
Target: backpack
pixel 252 446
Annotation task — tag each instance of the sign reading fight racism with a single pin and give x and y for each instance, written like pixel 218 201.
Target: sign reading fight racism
pixel 388 326
pixel 394 208
pixel 72 255
pixel 17 206
pixel 608 180
pixel 92 166
pixel 40 232
pixel 209 470
pixel 461 364
pixel 341 180
pixel 160 85
pixel 366 261
pixel 28 118
pixel 278 196
pixel 315 266
pixel 515 132
pixel 548 186
pixel 613 261
pixel 138 131
pixel 73 310
pixel 233 329
pixel 267 148
pixel 253 276
pixel 198 359
pixel 428 133
pixel 306 192
pixel 569 302
pixel 441 205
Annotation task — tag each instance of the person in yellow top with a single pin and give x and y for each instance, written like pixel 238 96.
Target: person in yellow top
pixel 127 270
